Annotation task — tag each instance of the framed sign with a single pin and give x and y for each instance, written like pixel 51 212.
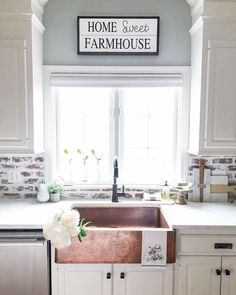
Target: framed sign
pixel 118 35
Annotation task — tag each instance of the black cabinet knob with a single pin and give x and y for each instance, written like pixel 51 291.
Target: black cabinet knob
pixel 227 272
pixel 122 275
pixel 108 275
pixel 218 272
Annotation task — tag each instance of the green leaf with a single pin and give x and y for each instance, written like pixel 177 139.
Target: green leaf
pixel 93 152
pixel 78 151
pixel 83 233
pixel 79 237
pixel 82 221
pixel 66 151
pixel 85 224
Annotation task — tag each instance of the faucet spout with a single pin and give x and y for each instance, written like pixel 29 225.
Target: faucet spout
pixel 115 193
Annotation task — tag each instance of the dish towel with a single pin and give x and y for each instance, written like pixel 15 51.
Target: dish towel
pixel 154 244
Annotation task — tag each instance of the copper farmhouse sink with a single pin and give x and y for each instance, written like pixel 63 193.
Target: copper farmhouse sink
pixel 122 216
pixel 116 235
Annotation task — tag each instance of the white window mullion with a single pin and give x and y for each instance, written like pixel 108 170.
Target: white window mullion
pixel 113 123
pixel 121 134
pixel 117 124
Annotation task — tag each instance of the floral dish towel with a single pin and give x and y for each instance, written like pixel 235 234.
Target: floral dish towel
pixel 154 244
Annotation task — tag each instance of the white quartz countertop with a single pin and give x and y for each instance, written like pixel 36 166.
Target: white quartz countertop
pixel 201 216
pixel 27 214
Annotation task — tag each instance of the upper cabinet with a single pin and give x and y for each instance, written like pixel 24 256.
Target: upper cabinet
pixel 213 78
pixel 21 60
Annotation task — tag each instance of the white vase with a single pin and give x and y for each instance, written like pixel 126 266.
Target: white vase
pixel 43 194
pixel 55 197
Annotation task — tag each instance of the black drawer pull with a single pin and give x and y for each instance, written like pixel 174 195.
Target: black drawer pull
pixel 108 275
pixel 122 275
pixel 218 272
pixel 223 246
pixel 227 272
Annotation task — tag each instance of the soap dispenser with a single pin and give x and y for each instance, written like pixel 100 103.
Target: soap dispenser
pixel 166 191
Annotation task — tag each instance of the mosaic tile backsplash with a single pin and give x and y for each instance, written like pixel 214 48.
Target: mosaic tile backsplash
pixel 20 175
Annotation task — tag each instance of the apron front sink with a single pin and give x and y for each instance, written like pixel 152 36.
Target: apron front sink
pixel 115 235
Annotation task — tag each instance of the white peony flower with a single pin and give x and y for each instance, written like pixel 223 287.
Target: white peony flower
pixel 60 236
pixel 46 230
pixel 63 227
pixel 57 217
pixel 70 218
pixel 74 231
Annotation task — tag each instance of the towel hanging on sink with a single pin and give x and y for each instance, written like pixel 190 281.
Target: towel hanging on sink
pixel 154 245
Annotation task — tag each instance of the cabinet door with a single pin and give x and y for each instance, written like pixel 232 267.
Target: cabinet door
pixel 84 279
pixel 220 129
pixel 130 279
pixel 196 275
pixel 13 95
pixel 228 286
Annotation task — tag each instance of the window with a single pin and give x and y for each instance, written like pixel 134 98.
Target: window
pixel 83 125
pixel 100 118
pixel 149 134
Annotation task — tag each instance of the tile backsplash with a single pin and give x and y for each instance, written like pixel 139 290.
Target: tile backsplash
pixel 219 165
pixel 20 175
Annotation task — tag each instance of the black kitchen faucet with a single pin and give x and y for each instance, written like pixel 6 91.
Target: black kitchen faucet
pixel 115 194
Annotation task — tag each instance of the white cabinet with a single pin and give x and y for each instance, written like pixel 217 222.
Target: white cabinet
pixel 221 102
pixel 86 279
pixel 13 88
pixel 197 275
pixel 129 279
pixel 21 100
pixel 206 275
pixel 213 87
pixel 228 284
pixel 206 263
pixel 108 279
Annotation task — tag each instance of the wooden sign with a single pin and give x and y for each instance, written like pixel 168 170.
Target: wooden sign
pixel 118 35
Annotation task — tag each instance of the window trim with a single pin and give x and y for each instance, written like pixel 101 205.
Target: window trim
pixel 124 73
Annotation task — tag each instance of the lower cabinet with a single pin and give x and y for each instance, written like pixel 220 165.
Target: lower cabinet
pixel 116 279
pixel 206 275
pixel 84 279
pixel 228 283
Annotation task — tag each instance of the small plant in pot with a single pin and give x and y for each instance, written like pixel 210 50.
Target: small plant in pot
pixel 55 188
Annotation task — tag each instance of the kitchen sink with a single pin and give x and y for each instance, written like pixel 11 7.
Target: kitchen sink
pixel 122 216
pixel 115 235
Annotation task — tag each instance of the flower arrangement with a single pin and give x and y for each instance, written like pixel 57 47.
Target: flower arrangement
pixel 64 226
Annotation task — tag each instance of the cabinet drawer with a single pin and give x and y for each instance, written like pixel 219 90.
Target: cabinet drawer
pixel 207 244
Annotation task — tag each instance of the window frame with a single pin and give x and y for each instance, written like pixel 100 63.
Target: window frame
pixel 168 74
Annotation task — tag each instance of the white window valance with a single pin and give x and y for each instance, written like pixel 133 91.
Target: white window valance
pixel 116 80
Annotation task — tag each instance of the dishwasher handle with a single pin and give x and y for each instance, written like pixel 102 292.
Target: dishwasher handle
pixel 21 242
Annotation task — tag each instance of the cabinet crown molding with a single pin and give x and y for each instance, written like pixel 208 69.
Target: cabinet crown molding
pixel 212 9
pixel 23 7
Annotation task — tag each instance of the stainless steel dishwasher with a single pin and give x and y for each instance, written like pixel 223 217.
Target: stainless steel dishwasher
pixel 24 263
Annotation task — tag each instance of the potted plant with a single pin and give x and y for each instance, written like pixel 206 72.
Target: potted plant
pixel 55 188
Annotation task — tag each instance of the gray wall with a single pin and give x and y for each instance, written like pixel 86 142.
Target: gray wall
pixel 60 47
